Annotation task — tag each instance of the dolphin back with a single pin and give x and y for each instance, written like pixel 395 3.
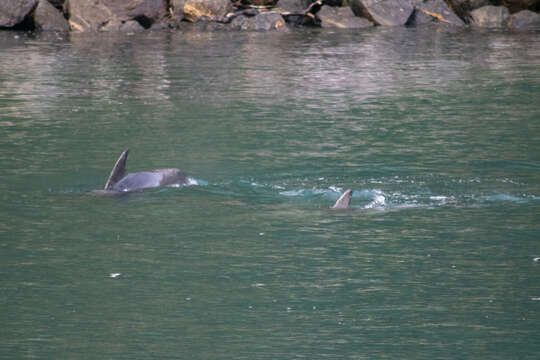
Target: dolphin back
pixel 118 171
pixel 149 179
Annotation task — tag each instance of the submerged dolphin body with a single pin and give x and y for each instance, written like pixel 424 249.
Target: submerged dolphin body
pixel 120 182
pixel 344 200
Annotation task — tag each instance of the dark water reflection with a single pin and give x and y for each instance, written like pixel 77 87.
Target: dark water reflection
pixel 437 132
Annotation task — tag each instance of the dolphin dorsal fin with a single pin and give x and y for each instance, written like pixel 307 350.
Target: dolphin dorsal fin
pixel 118 171
pixel 344 200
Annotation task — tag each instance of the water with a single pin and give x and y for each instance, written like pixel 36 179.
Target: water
pixel 437 132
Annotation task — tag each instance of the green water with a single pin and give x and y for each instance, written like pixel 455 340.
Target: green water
pixel 437 132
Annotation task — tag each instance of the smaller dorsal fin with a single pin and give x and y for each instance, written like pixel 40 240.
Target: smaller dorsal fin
pixel 118 171
pixel 344 200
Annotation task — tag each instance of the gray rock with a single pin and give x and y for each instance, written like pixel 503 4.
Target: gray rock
pixel 388 12
pixel 342 17
pixel 269 21
pixel 131 26
pixel 524 20
pixel 518 5
pixel 292 5
pixel 109 15
pixel 123 26
pixel 242 22
pixel 207 26
pixel 177 9
pixel 433 11
pixel 264 21
pixel 47 17
pixel 490 16
pixel 195 9
pixel 146 12
pixel 87 15
pixel 462 8
pixel 12 12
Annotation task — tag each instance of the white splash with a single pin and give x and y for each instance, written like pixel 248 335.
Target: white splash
pixel 192 181
pixel 379 200
pixel 438 198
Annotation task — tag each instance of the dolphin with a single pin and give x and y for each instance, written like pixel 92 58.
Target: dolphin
pixel 120 181
pixel 344 200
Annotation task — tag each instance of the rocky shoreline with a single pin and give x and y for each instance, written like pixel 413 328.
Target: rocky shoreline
pixel 141 15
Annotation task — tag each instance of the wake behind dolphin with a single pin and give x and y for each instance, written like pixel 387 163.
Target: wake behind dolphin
pixel 120 181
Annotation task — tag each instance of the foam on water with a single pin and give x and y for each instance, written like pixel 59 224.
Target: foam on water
pixel 405 197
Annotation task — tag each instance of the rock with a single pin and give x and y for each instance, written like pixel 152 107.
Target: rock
pixel 269 21
pixel 292 5
pixel 462 8
pixel 208 26
pixel 146 12
pixel 107 15
pixel 265 21
pixel 342 17
pixel 244 4
pixel 131 26
pixel 524 20
pixel 430 11
pixel 13 12
pixel 490 16
pixel 47 17
pixel 195 9
pixel 124 26
pixel 388 12
pixel 518 5
pixel 87 15
pixel 242 22
pixel 177 10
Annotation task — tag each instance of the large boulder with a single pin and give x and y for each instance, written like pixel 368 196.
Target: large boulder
pixel 13 12
pixel 47 17
pixel 490 16
pixel 433 11
pixel 195 9
pixel 524 20
pixel 342 17
pixel 388 12
pixel 107 15
pixel 87 15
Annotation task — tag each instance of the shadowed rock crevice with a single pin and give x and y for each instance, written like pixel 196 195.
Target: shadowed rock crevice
pixel 27 24
pixel 144 21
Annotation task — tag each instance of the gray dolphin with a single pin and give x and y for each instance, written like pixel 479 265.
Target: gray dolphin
pixel 120 182
pixel 344 200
